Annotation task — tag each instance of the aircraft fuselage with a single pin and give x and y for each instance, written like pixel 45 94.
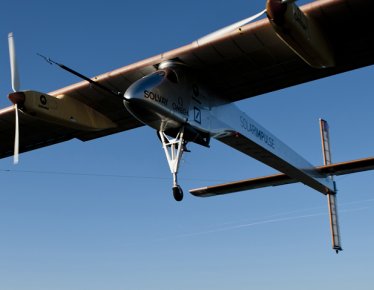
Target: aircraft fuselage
pixel 169 99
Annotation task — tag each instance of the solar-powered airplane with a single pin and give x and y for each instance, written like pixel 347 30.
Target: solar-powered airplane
pixel 188 94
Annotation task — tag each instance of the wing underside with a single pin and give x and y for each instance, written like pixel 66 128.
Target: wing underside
pixel 35 133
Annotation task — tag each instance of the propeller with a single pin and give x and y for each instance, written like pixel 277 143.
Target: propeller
pixel 16 97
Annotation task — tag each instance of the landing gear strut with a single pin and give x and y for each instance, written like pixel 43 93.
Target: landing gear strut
pixel 174 149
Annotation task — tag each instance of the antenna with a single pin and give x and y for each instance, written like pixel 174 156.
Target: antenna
pixel 70 70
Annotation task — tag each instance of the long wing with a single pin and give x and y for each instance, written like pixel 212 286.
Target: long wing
pixel 253 60
pixel 244 63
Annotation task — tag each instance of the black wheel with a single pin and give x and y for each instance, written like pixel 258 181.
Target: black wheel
pixel 177 193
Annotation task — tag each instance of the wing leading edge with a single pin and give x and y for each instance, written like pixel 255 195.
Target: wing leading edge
pixel 253 60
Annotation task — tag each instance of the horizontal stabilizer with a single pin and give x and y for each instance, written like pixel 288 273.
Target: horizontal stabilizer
pixel 341 168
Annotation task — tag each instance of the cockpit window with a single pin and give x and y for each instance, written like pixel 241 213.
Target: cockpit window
pixel 172 76
pixel 160 72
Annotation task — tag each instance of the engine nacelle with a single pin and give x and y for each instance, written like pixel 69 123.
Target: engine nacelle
pixel 61 110
pixel 300 33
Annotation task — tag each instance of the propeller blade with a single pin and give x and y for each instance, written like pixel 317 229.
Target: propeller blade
pixel 16 97
pixel 16 138
pixel 13 63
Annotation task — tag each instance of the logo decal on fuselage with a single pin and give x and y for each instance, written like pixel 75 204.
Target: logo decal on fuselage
pixel 251 128
pixel 155 97
pixel 180 107
pixel 197 115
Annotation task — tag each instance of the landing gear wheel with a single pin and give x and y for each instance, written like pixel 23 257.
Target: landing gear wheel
pixel 177 193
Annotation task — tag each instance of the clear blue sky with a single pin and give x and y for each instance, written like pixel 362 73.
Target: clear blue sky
pixel 100 215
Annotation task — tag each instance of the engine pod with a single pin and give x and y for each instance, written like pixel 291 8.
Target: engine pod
pixel 65 111
pixel 301 33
